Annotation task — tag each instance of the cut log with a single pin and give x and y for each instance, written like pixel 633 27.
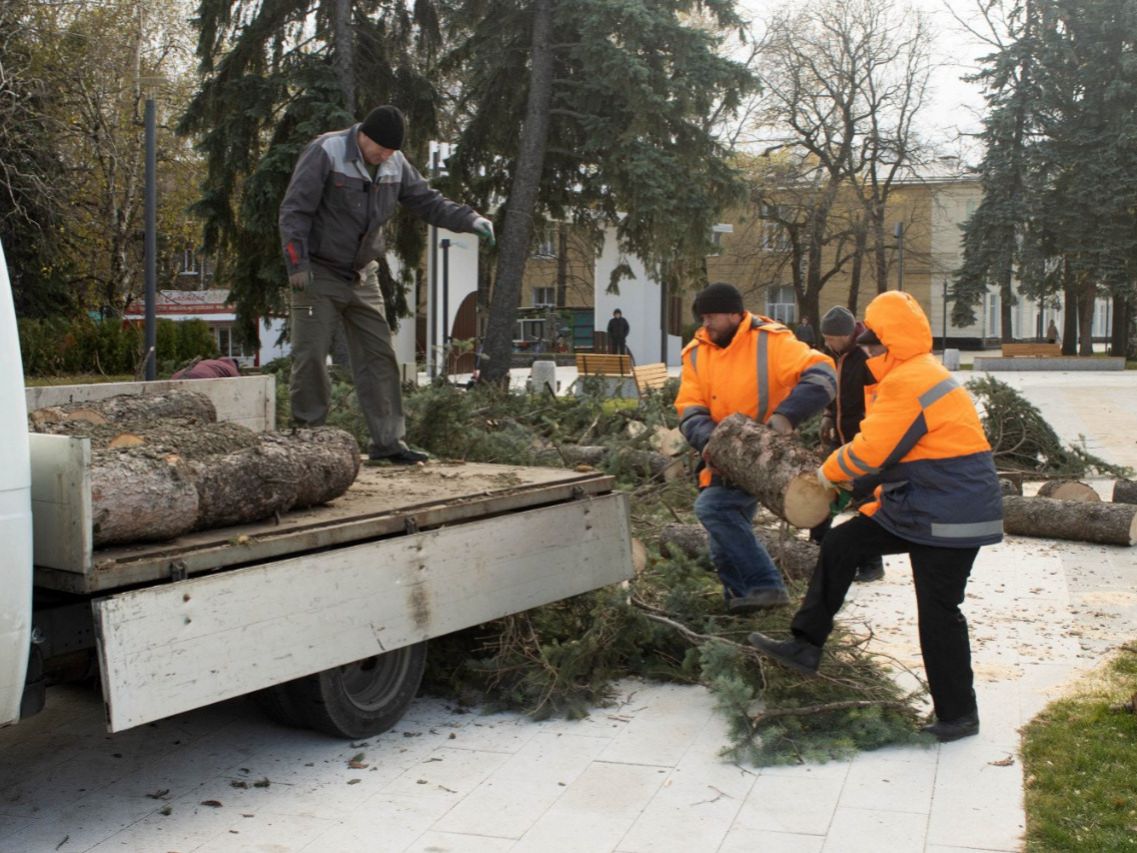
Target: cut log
pixel 1068 490
pixel 795 557
pixel 1008 486
pixel 187 437
pixel 127 409
pixel 141 494
pixel 1080 521
pixel 1125 492
pixel 775 469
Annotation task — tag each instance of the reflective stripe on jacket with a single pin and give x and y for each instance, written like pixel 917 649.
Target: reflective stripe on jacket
pixel 921 442
pixel 334 211
pixel 764 369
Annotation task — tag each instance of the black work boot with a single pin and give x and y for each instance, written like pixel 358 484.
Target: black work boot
pixel 402 456
pixel 759 599
pixel 795 654
pixel 949 730
pixel 870 570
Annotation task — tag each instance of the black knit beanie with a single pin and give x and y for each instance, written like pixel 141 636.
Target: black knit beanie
pixel 838 322
pixel 385 126
pixel 717 298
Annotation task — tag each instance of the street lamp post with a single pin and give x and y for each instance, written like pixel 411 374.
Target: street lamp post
pixel 899 233
pixel 150 216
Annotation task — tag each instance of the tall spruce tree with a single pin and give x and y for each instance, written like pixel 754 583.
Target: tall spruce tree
pixel 993 236
pixel 1060 173
pixel 598 112
pixel 276 75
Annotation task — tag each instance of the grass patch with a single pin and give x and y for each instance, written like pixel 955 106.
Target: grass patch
pixel 1080 764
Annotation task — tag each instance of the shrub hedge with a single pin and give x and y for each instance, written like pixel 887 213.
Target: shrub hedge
pixel 55 346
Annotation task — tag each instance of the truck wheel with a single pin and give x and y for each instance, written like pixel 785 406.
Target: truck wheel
pixel 363 698
pixel 280 704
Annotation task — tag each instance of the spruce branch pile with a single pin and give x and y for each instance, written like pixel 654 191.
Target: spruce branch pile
pixel 1022 440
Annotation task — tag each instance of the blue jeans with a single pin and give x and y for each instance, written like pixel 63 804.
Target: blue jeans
pixel 739 558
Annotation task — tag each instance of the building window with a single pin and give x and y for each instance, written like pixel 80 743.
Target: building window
pixel 781 304
pixel 772 237
pixel 546 243
pixel 544 297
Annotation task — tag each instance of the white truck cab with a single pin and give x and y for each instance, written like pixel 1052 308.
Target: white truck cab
pixel 15 513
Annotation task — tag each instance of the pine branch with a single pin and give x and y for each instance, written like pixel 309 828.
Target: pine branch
pixel 813 710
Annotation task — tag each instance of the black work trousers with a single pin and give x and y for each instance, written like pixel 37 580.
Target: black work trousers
pixel 940 577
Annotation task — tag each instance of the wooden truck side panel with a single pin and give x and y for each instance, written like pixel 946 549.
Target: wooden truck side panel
pixel 174 647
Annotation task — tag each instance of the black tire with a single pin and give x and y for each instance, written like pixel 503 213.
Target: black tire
pixel 279 703
pixel 364 698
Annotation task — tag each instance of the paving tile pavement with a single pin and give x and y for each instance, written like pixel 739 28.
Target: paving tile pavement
pixel 641 775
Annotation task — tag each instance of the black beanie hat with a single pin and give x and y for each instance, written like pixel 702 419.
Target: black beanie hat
pixel 838 322
pixel 385 126
pixel 717 298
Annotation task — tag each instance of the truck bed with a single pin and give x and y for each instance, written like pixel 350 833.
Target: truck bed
pixel 384 501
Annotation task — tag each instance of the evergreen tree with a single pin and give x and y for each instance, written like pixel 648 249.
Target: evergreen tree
pixel 275 76
pixel 599 112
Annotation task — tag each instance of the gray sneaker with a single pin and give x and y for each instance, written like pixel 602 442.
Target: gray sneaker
pixel 794 654
pixel 760 599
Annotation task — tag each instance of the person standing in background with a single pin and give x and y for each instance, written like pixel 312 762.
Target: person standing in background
pixel 618 329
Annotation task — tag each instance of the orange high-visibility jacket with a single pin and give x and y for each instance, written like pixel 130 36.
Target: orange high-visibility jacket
pixel 921 443
pixel 764 369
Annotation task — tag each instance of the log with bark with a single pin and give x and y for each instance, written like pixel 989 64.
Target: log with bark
pixel 151 492
pixel 1068 490
pixel 1080 521
pixel 775 469
pixel 795 557
pixel 1125 492
pixel 124 409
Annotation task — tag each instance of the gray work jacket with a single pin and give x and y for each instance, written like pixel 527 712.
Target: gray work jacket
pixel 333 211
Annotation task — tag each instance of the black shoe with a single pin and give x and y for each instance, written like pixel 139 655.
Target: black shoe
pixel 406 456
pixel 794 654
pixel 949 730
pixel 762 599
pixel 869 573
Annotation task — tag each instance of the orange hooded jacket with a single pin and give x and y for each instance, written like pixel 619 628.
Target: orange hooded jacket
pixel 764 369
pixel 921 443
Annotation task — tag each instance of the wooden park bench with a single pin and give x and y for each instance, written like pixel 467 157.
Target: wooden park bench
pixel 1038 350
pixel 597 364
pixel 650 377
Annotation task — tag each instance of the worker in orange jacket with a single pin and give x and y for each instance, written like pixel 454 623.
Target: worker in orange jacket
pixel 740 362
pixel 936 498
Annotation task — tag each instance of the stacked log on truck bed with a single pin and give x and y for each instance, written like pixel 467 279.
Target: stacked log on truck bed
pixel 162 466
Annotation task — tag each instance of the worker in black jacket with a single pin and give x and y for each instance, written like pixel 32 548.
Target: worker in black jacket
pixel 843 416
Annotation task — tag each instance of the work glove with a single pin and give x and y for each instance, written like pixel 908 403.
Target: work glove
pixel 826 483
pixel 300 280
pixel 828 430
pixel 780 424
pixel 484 229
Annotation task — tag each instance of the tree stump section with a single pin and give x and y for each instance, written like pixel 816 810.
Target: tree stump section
pixel 147 493
pixel 1079 521
pixel 1125 492
pixel 1068 490
pixel 125 409
pixel 775 469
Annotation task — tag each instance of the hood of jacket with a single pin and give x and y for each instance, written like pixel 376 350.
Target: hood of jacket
pixel 897 319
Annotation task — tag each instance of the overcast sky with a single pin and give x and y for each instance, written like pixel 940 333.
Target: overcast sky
pixel 954 106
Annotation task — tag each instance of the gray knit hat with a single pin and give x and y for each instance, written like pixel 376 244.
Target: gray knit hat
pixel 838 322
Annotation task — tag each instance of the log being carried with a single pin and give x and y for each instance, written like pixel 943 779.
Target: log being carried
pixel 774 468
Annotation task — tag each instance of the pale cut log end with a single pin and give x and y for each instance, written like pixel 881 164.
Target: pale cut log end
pixel 1068 490
pixel 806 501
pixel 1133 531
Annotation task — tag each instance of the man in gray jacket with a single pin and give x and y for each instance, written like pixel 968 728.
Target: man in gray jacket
pixel 344 189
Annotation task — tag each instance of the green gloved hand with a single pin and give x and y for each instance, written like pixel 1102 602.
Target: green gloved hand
pixel 484 229
pixel 840 502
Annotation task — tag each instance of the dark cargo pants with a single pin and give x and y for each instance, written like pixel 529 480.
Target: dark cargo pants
pixel 359 304
pixel 940 577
